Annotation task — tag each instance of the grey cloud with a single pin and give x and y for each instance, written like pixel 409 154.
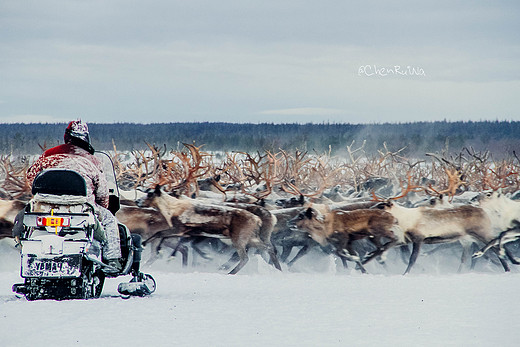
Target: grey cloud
pixel 230 60
pixel 403 23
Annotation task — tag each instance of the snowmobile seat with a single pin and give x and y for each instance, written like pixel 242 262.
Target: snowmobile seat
pixel 59 182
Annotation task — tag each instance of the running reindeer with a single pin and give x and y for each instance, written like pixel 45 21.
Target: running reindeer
pixel 8 211
pixel 342 228
pixel 190 218
pixel 505 217
pixel 14 192
pixel 429 225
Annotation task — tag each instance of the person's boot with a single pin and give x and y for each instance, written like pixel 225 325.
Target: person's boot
pixel 115 265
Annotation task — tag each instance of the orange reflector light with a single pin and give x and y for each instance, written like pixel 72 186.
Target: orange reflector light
pixel 53 221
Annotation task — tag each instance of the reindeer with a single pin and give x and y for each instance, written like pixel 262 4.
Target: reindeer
pixel 342 228
pixel 504 214
pixel 8 211
pixel 187 217
pixel 264 233
pixel 429 225
pixel 510 235
pixel 147 222
pixel 14 184
pixel 424 225
pixel 287 238
pixel 290 202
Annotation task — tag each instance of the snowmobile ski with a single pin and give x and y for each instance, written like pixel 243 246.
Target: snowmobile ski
pixel 140 285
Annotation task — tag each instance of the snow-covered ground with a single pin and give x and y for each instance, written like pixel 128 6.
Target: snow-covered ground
pixel 315 303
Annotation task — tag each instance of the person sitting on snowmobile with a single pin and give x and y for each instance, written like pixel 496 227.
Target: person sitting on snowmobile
pixel 78 154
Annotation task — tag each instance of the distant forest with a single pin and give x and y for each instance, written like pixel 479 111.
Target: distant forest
pixel 498 137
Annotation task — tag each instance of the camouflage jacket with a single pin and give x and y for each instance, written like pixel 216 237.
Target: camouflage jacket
pixel 71 157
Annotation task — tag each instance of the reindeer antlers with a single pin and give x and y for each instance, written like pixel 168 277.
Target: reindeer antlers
pixel 300 173
pixel 404 190
pixel 15 177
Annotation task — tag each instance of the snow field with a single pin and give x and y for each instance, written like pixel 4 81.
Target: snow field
pixel 325 306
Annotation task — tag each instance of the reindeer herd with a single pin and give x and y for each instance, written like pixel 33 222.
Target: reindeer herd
pixel 354 206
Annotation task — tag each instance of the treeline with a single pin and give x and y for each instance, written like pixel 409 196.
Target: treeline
pixel 499 137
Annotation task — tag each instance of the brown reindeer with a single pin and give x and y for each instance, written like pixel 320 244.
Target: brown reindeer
pixel 424 225
pixel 188 218
pixel 342 228
pixel 8 211
pixel 155 231
pixel 147 222
pixel 289 238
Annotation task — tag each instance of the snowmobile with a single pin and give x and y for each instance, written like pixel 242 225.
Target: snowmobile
pixel 62 244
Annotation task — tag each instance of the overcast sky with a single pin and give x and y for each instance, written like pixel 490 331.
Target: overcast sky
pixel 259 61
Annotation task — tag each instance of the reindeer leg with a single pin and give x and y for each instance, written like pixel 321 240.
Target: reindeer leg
pixel 486 248
pixel 263 247
pixel 286 251
pixel 154 254
pixel 381 257
pixel 503 262
pixel 304 250
pixel 239 255
pixel 511 257
pixel 515 260
pixel 380 249
pixel 234 258
pixel 361 268
pixel 371 255
pixel 464 257
pixel 273 258
pixel 380 252
pixel 491 258
pixel 182 250
pixel 413 257
pixel 507 236
pixel 159 245
pixel 179 245
pixel 154 236
pixel 501 254
pixel 474 247
pixel 343 258
pixel 355 256
pixel 405 253
pixel 194 245
pixel 242 254
pixel 267 247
